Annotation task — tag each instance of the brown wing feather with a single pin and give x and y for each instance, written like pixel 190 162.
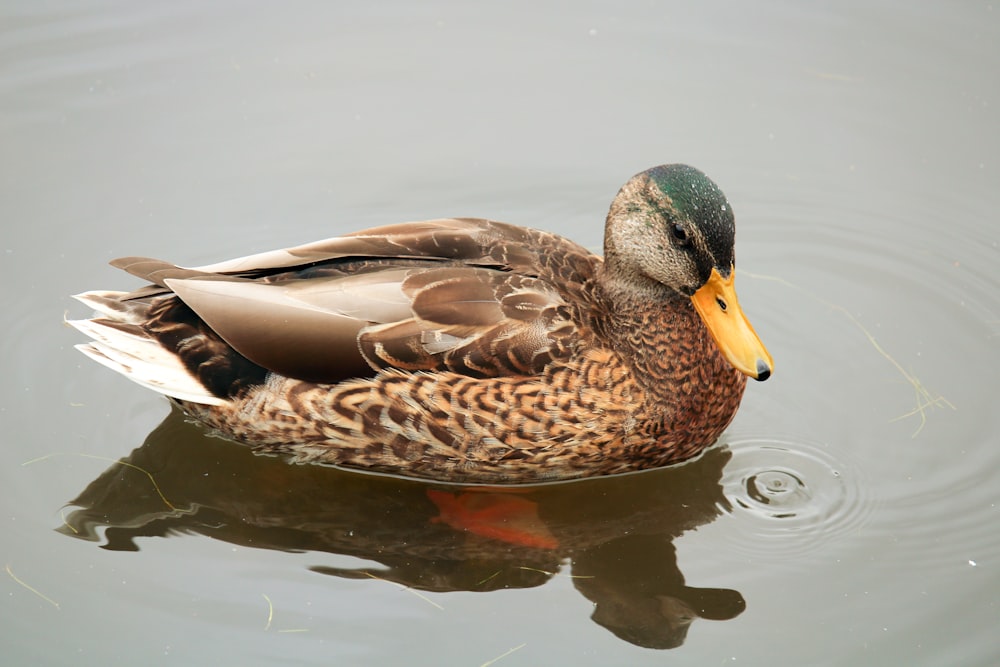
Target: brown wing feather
pixel 471 241
pixel 462 239
pixel 473 296
pixel 272 329
pixel 475 321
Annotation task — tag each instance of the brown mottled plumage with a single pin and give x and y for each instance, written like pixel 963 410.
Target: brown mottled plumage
pixel 460 350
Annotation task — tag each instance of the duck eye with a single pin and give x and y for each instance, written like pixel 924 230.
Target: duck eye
pixel 679 233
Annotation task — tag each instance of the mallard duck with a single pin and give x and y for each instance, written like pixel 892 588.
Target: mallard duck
pixel 462 349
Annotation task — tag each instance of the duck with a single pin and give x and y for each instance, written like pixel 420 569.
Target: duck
pixel 459 350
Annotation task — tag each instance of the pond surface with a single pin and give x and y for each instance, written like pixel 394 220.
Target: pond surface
pixel 849 516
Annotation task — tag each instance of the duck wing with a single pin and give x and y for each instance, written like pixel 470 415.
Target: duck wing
pixel 475 321
pixel 470 296
pixel 473 241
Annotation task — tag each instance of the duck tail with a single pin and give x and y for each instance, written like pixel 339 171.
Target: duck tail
pixel 120 343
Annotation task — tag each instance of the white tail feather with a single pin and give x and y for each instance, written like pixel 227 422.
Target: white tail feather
pixel 143 361
pixel 108 303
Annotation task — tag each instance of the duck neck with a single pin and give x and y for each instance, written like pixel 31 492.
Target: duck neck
pixel 658 333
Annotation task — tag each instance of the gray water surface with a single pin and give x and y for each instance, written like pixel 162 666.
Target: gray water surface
pixel 848 517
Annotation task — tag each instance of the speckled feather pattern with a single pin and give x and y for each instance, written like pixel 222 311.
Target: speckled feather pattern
pixel 596 414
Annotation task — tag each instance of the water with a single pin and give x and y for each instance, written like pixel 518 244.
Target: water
pixel 849 516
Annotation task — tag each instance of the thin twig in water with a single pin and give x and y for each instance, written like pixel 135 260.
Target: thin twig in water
pixel 62 514
pixel 105 458
pixel 270 612
pixel 270 617
pixel 492 576
pixel 833 76
pixel 503 655
pixel 30 588
pixel 924 398
pixel 408 589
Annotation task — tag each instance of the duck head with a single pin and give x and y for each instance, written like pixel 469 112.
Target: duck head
pixel 670 234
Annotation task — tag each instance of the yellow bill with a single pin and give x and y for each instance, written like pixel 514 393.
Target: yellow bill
pixel 716 302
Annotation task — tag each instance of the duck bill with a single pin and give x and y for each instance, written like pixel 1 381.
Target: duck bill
pixel 716 303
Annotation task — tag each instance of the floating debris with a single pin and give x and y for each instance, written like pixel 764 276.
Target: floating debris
pixel 31 588
pixel 503 655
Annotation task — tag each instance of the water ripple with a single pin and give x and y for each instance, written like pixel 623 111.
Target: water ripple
pixel 790 497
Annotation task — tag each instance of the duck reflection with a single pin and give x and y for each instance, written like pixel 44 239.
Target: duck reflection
pixel 616 534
